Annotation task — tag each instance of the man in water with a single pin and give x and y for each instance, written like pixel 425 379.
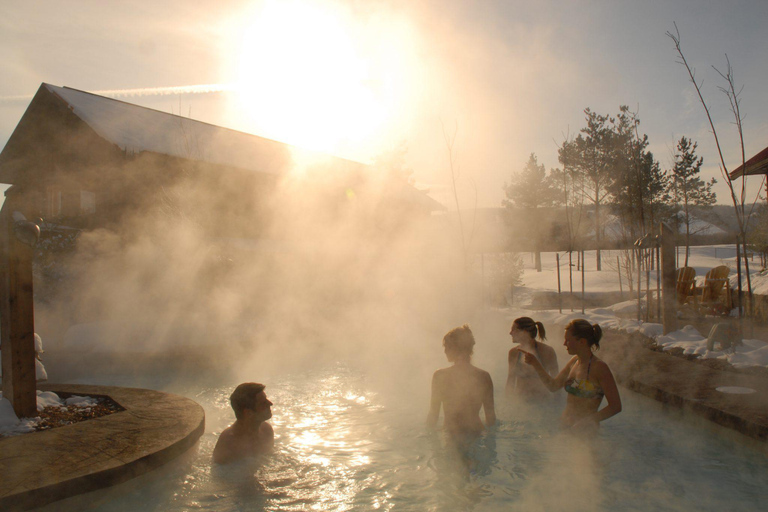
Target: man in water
pixel 250 434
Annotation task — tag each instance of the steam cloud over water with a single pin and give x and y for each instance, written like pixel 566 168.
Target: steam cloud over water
pixel 339 271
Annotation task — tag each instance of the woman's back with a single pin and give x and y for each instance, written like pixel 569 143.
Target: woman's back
pixel 462 389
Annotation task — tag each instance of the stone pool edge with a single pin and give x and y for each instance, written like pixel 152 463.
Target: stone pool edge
pixel 43 467
pixel 689 386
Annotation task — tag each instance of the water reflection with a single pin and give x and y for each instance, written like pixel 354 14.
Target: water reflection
pixel 340 448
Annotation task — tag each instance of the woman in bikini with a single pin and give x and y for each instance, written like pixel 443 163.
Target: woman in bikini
pixel 522 380
pixel 585 378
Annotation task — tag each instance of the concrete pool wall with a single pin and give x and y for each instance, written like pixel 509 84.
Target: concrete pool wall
pixel 690 386
pixel 47 466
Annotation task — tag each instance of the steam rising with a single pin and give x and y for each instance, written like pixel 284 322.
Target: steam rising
pixel 339 269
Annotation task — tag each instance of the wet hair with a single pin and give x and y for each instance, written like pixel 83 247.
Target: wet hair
pixel 244 397
pixel 581 328
pixel 460 339
pixel 527 324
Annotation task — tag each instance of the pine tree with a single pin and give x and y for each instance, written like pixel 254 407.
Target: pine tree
pixel 530 189
pixel 688 188
pixel 590 156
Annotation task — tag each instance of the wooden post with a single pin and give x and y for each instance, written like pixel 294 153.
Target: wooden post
pixel 559 291
pixel 621 289
pixel 668 284
pixel 17 316
pixel 738 274
pixel 483 291
pixel 582 282
pixel 648 297
pixel 639 284
pixel 658 283
pixel 570 278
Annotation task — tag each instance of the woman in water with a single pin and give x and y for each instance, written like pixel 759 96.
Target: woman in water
pixel 522 381
pixel 461 390
pixel 585 378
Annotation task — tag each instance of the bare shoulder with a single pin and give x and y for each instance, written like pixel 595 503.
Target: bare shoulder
pixel 227 434
pixel 513 353
pixel 266 431
pixel 440 374
pixel 266 437
pixel 225 447
pixel 482 374
pixel 548 350
pixel 601 367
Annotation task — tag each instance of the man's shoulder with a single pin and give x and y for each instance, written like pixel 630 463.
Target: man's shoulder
pixel 227 433
pixel 266 429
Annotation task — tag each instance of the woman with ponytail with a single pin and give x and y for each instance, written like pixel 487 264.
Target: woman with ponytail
pixel 522 381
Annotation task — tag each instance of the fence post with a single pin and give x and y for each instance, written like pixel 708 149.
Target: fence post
pixel 668 284
pixel 639 283
pixel 621 289
pixel 738 273
pixel 559 294
pixel 582 282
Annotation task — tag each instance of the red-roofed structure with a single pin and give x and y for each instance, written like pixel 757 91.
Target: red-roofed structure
pixel 756 165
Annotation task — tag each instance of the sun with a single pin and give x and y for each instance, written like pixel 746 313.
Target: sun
pixel 312 75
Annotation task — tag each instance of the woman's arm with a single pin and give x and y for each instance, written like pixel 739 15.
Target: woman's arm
pixel 488 405
pixel 550 361
pixel 512 360
pixel 435 402
pixel 552 383
pixel 611 390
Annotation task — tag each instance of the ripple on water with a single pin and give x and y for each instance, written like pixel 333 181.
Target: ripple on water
pixel 340 446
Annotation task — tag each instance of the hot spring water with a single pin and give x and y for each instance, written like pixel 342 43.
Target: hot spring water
pixel 344 443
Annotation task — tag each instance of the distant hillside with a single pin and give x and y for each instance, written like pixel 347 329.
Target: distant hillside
pixel 501 229
pixel 721 215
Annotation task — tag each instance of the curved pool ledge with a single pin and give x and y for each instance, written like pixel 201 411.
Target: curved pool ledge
pixel 690 386
pixel 42 467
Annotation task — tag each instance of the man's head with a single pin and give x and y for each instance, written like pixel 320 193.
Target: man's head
pixel 250 396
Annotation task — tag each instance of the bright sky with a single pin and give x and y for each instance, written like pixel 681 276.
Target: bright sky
pixel 504 78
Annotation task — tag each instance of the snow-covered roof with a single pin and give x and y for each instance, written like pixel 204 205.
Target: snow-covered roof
pixel 135 129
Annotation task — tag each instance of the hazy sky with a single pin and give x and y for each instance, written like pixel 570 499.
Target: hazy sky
pixel 502 78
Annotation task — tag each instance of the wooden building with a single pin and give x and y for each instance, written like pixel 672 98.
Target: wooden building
pixel 86 161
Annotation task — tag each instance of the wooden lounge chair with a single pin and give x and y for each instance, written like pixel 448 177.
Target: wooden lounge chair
pixel 686 283
pixel 716 292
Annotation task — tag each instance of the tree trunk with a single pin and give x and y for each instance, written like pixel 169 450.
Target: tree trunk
pixel 597 234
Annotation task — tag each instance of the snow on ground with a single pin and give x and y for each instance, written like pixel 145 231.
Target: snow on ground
pixel 702 259
pixel 619 316
pixel 11 425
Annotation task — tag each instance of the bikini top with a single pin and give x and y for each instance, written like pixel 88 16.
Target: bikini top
pixel 584 388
